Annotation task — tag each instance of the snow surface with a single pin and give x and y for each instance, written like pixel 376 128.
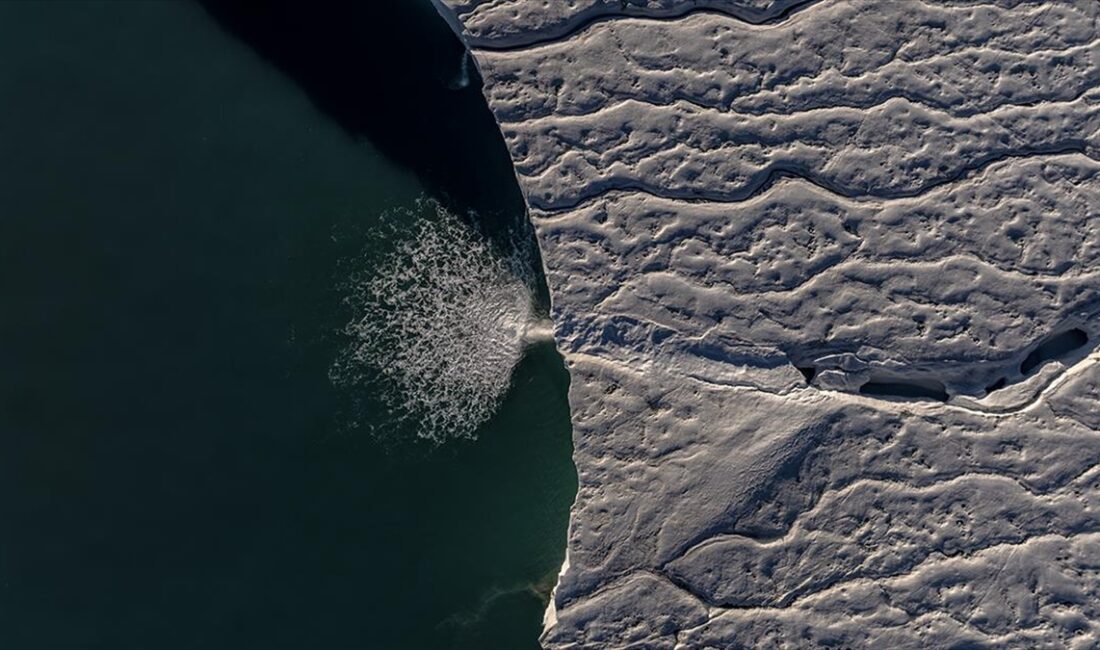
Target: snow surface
pixel 826 275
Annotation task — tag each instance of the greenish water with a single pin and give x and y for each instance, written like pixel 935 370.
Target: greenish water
pixel 181 209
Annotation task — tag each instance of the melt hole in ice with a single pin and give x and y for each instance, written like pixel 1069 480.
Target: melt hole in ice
pixel 1054 348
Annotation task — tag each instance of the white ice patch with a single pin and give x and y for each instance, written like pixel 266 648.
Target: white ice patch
pixel 438 327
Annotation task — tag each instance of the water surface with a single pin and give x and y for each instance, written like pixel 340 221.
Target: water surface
pixel 178 207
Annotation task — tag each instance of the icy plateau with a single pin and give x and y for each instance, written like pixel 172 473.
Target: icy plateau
pixel 826 275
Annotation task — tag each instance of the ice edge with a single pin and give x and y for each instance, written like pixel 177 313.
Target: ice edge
pixel 542 330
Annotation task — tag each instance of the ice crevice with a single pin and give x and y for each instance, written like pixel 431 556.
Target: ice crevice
pixel 877 101
pixel 764 180
pixel 610 10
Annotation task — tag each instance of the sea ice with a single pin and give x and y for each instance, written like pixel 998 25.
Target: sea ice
pixel 826 276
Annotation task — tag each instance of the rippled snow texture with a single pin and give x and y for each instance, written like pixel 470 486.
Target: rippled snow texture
pixel 826 275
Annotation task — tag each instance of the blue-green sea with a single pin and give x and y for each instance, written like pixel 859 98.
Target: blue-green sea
pixel 189 196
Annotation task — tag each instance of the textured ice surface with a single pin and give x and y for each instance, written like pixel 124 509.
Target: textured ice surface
pixel 827 278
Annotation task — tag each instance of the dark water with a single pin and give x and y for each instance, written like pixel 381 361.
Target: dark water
pixel 180 191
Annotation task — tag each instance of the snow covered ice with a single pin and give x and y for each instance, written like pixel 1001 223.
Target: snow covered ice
pixel 825 275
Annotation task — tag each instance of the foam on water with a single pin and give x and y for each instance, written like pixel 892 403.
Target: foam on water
pixel 439 325
pixel 462 79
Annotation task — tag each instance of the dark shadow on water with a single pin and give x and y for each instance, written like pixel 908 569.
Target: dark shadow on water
pixel 386 72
